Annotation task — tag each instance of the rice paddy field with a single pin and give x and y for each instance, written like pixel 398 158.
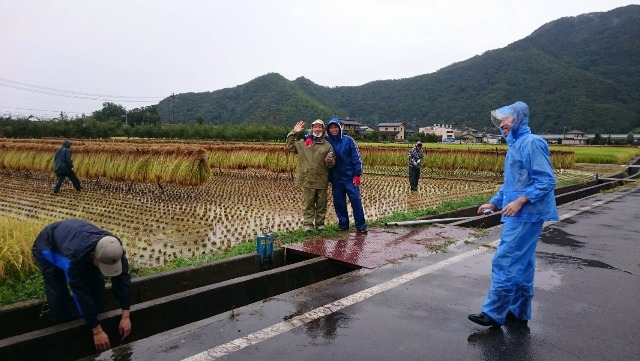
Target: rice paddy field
pixel 168 200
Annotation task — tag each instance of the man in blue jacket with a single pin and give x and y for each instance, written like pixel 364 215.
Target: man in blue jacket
pixel 345 177
pixel 63 167
pixel 526 200
pixel 80 254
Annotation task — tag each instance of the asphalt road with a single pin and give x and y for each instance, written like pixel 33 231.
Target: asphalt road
pixel 586 304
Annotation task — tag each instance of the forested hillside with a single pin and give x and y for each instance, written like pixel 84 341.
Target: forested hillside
pixel 578 72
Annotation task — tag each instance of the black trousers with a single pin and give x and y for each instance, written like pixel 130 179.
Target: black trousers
pixel 72 177
pixel 62 307
pixel 414 176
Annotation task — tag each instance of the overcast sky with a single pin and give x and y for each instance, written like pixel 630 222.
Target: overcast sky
pixel 128 49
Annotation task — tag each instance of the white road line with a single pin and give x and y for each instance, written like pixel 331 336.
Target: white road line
pixel 323 311
pixel 328 309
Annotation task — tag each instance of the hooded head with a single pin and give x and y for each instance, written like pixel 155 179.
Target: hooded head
pixel 66 144
pixel 512 120
pixel 333 123
pixel 317 128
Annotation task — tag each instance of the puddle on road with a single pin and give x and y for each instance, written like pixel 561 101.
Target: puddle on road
pixel 558 237
pixel 554 258
pixel 384 245
pixel 504 343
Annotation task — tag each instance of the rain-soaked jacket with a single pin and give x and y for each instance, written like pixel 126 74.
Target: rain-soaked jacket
pixel 62 163
pixel 348 160
pixel 348 166
pixel 68 245
pixel 527 170
pixel 312 170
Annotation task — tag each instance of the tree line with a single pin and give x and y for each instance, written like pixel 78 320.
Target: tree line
pixel 113 120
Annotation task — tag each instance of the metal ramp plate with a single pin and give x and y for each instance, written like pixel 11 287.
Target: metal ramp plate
pixel 382 245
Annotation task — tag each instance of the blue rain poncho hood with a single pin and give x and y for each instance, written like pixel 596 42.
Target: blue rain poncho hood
pixel 335 121
pixel 519 111
pixel 347 155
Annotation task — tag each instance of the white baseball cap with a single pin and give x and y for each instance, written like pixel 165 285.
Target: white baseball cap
pixel 109 254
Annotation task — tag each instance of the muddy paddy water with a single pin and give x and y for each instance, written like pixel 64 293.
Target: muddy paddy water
pixel 161 223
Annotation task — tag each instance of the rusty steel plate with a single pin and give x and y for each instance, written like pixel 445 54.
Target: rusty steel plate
pixel 382 245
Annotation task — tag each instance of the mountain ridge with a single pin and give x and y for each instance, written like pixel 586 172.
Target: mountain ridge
pixel 575 72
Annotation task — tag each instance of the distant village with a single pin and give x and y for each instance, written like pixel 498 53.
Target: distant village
pixel 398 132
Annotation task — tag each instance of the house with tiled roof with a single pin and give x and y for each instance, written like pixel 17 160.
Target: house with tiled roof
pixel 395 130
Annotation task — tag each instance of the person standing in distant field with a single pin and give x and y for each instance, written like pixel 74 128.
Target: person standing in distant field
pixel 63 167
pixel 526 200
pixel 416 155
pixel 345 177
pixel 315 158
pixel 76 255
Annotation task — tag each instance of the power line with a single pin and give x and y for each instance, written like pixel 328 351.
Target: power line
pixel 73 94
pixel 121 100
pixel 42 110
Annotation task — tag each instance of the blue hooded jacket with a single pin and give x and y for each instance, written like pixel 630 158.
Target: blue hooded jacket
pixel 527 170
pixel 347 156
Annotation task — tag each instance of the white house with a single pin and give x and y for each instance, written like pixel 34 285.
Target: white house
pixel 574 137
pixel 443 130
pixel 392 129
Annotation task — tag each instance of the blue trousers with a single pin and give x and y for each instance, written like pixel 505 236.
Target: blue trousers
pixel 512 271
pixel 340 193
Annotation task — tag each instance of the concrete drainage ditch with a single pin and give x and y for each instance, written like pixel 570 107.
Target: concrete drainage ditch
pixel 162 302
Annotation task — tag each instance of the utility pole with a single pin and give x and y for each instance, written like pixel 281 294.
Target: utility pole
pixel 173 108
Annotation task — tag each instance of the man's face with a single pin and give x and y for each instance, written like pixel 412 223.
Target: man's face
pixel 334 129
pixel 316 129
pixel 505 124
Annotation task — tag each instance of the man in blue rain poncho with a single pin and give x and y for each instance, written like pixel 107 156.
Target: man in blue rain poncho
pixel 526 200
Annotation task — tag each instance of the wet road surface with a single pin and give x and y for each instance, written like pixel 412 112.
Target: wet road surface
pixel 587 297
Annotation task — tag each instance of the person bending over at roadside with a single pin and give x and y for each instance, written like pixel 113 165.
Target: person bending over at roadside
pixel 78 254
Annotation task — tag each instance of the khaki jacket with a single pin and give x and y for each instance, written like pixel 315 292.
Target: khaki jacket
pixel 312 171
